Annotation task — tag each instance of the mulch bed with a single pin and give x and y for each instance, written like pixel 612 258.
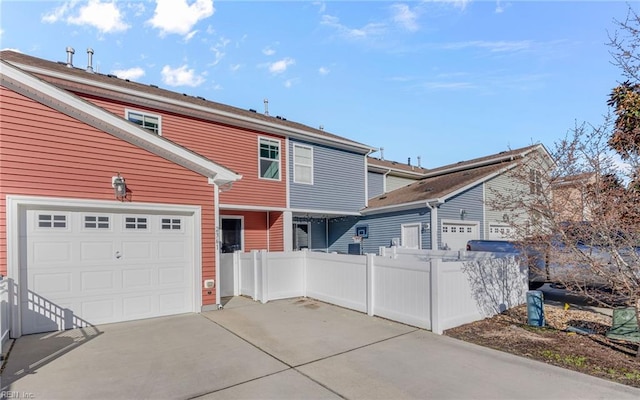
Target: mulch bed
pixel 556 343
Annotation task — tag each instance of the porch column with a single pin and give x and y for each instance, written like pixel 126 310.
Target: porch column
pixel 287 227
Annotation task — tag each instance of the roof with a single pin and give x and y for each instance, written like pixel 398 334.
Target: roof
pixel 378 164
pixel 486 160
pixel 28 85
pixel 446 181
pixel 169 99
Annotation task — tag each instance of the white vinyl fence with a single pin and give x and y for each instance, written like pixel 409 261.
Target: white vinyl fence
pixel 430 291
pixel 4 312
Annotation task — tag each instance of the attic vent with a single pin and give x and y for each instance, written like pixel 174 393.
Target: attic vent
pixel 184 94
pixel 428 189
pixel 111 76
pixel 202 98
pixel 382 197
pixel 465 173
pixel 154 86
pixel 252 110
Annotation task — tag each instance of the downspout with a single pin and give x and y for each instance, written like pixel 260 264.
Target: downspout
pixel 433 206
pixel 384 181
pixel 216 217
pixel 366 176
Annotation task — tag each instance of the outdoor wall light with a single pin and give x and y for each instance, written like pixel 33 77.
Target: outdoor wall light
pixel 119 186
pixel 463 213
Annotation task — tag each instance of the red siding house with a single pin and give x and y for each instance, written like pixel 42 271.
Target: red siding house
pixel 77 253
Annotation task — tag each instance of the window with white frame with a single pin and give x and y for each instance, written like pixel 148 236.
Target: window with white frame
pixel 302 164
pixel 147 121
pixel 269 158
pixel 535 182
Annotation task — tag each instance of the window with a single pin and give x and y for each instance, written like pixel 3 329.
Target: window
pixel 269 159
pixel 302 164
pixel 171 223
pixel 52 221
pixel 147 121
pixel 137 223
pixel 535 182
pixel 96 222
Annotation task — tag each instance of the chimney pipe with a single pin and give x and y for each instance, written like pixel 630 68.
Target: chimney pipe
pixel 90 61
pixel 409 161
pixel 70 52
pixel 266 106
pixel 419 166
pixel 382 153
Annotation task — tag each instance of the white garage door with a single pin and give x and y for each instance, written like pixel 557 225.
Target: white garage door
pixel 87 268
pixel 456 234
pixel 500 232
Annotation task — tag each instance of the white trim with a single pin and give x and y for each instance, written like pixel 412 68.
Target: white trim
pixel 241 207
pixel 16 204
pixel 310 148
pixel 287 178
pixel 75 107
pixel 226 117
pixel 270 139
pixel 128 111
pixel 216 234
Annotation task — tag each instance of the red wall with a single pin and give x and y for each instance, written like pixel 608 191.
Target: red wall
pixel 46 153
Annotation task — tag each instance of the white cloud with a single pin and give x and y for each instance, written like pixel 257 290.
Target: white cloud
pixel 131 73
pixel 368 30
pixel 235 67
pixel 218 50
pixel 461 4
pixel 405 17
pixel 281 66
pixel 58 13
pixel 322 6
pixel 138 8
pixel 268 51
pixel 189 35
pixel 290 82
pixel 179 17
pixel 181 76
pixel 494 47
pixel 323 71
pixel 106 17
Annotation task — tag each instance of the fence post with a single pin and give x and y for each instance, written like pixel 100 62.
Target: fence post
pixel 370 284
pixel 237 279
pixel 305 255
pixel 254 259
pixel 435 295
pixel 264 263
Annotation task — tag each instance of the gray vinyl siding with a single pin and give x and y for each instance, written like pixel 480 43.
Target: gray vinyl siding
pixel 470 200
pixel 382 229
pixel 396 182
pixel 375 184
pixel 338 180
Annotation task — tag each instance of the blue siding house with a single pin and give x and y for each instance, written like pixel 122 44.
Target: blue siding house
pixel 442 210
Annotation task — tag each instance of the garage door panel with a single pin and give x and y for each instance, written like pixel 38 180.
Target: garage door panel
pixel 137 278
pixel 52 283
pixel 97 251
pixel 136 250
pixel 52 252
pixel 129 269
pixel 455 235
pixel 97 280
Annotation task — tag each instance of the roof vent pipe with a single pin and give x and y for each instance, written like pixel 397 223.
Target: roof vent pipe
pixel 409 161
pixel 321 127
pixel 419 166
pixel 70 52
pixel 90 60
pixel 382 153
pixel 266 106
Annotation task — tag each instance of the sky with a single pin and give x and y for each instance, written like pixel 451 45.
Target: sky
pixel 442 81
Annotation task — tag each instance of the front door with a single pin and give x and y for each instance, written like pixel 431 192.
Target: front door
pixel 300 235
pixel 411 236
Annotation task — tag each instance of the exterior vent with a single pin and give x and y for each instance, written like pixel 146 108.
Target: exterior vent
pixel 252 110
pixel 70 52
pixel 202 98
pixel 154 86
pixel 90 60
pixel 111 76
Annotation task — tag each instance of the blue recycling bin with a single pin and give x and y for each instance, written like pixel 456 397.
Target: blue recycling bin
pixel 535 308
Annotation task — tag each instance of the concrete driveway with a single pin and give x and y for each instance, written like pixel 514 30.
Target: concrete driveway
pixel 295 349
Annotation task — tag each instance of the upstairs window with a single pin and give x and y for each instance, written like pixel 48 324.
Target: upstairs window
pixel 303 164
pixel 535 182
pixel 269 159
pixel 147 121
